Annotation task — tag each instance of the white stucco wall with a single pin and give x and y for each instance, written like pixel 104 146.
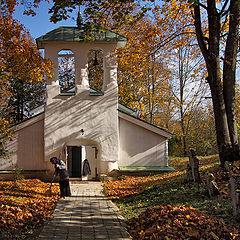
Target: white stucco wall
pixel 10 162
pixel 65 116
pixel 140 146
pixel 26 147
pixel 96 115
pixel 120 141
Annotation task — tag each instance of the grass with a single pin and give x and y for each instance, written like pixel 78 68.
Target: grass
pixel 173 189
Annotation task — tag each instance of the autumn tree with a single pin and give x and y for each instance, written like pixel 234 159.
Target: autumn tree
pixel 143 78
pixel 168 87
pixel 24 97
pixel 20 61
pixel 216 25
pixel 217 31
pixel 175 42
pixel 189 88
pixel 222 29
pixel 202 136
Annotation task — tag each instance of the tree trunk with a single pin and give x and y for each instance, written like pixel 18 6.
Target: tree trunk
pixel 182 122
pixel 229 75
pixel 181 85
pixel 214 80
pixel 221 126
pixel 210 51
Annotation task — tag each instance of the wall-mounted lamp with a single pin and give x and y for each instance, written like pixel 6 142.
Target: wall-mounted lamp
pixel 82 131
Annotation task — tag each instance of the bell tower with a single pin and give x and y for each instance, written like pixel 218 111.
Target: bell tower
pixel 81 115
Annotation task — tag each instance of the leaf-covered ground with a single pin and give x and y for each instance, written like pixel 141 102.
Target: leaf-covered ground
pixel 178 222
pixel 24 207
pixel 166 206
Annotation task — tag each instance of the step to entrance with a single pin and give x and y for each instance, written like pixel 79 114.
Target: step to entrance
pixel 76 181
pixel 81 181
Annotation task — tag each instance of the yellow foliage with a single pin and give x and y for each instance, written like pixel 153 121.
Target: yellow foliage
pixel 20 59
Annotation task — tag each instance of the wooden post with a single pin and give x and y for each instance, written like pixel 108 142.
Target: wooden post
pixel 194 166
pixel 228 166
pixel 211 185
pixel 189 173
pixel 234 187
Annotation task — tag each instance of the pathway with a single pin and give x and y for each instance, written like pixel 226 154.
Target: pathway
pixel 87 214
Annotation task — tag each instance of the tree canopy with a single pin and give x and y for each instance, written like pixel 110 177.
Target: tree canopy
pixel 20 61
pixel 213 24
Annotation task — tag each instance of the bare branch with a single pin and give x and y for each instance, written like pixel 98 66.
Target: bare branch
pixel 202 5
pixel 169 39
pixel 223 11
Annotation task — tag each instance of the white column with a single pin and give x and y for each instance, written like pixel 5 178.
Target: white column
pixel 81 70
pixel 110 69
pixel 52 54
pixel 52 85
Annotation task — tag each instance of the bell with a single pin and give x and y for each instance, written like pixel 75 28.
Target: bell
pixel 95 63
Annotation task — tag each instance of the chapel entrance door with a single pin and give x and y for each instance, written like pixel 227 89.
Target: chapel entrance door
pixel 75 161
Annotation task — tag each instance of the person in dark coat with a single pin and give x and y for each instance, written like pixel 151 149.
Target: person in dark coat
pixel 86 168
pixel 61 171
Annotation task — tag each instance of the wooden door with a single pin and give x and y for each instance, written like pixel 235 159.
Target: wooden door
pixel 76 162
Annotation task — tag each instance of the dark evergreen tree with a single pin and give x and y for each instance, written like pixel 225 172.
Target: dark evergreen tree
pixel 25 96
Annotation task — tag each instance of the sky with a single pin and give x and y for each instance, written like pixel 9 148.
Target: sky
pixel 40 24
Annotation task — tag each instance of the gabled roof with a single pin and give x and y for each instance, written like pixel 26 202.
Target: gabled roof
pixel 74 34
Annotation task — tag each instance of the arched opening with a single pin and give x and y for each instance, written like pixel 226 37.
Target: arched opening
pixel 81 152
pixel 95 69
pixel 66 71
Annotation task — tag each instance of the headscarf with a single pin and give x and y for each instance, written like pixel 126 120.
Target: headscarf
pixel 54 160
